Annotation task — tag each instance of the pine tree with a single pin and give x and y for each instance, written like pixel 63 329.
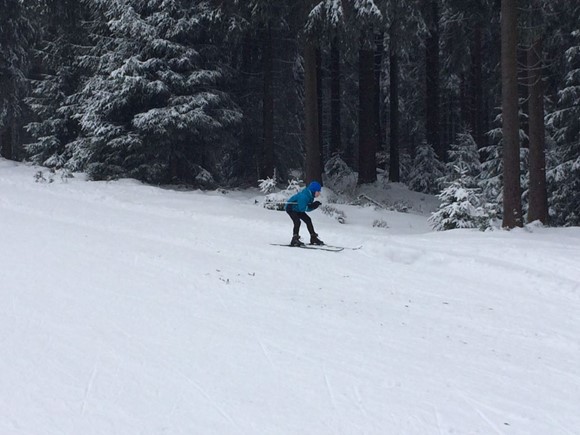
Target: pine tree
pixel 313 155
pixel 16 35
pixel 565 177
pixel 262 49
pixel 57 79
pixel 355 23
pixel 265 19
pixel 467 62
pixel 461 204
pixel 492 168
pixel 406 30
pixel 394 116
pixel 427 170
pixel 432 72
pixel 368 18
pixel 155 110
pixel 491 180
pixel 512 206
pixel 327 19
pixel 534 36
pixel 463 153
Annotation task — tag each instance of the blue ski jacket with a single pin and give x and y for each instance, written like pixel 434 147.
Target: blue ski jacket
pixel 300 201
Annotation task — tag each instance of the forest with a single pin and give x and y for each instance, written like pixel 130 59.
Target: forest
pixel 477 101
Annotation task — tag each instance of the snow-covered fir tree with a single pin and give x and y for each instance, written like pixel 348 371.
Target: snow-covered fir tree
pixel 339 176
pixel 330 15
pixel 405 167
pixel 564 179
pixel 427 170
pixel 462 153
pixel 461 204
pixel 491 178
pixel 16 35
pixel 258 43
pixel 492 167
pixel 156 110
pixel 367 12
pixel 277 200
pixel 63 44
pixel 327 15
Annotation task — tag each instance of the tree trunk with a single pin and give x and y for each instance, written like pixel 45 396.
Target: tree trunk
pixel 320 107
pixel 335 121
pixel 251 149
pixel 394 171
pixel 366 125
pixel 538 206
pixel 6 145
pixel 267 106
pixel 463 102
pixel 313 157
pixel 432 81
pixel 377 107
pixel 477 109
pixel 512 206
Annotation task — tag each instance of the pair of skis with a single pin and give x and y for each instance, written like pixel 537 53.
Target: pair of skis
pixel 330 248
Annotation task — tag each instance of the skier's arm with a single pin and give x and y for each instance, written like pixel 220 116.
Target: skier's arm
pixel 314 205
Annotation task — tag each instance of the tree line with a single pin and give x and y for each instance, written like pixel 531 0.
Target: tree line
pixel 227 92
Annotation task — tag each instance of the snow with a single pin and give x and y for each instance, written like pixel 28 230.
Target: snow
pixel 131 309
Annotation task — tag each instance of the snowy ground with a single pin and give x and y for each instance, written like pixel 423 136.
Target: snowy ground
pixel 129 309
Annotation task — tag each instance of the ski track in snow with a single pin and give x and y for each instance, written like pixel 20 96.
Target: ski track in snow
pixel 329 389
pixel 165 362
pixel 89 388
pixel 210 399
pixel 438 419
pixel 477 407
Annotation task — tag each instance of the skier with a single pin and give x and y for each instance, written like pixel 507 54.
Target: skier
pixel 297 206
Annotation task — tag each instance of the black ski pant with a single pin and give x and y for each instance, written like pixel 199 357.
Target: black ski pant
pixel 296 217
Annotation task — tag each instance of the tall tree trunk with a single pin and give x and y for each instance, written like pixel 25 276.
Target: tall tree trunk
pixel 366 126
pixel 6 145
pixel 267 105
pixel 320 107
pixel 335 121
pixel 251 149
pixel 313 157
pixel 463 101
pixel 432 81
pixel 477 66
pixel 394 171
pixel 512 206
pixel 377 107
pixel 538 206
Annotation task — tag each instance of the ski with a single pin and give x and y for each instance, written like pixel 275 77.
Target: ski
pixel 325 248
pixel 315 247
pixel 355 248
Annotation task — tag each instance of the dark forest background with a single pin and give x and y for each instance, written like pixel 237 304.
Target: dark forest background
pixel 208 93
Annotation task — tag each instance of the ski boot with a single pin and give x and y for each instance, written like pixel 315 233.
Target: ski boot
pixel 314 240
pixel 296 241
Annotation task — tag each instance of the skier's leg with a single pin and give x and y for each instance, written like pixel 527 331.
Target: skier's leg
pixel 296 229
pixel 308 222
pixel 296 220
pixel 314 240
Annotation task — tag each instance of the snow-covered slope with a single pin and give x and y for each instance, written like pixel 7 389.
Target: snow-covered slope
pixel 129 309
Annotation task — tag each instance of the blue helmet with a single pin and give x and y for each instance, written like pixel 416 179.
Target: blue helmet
pixel 315 187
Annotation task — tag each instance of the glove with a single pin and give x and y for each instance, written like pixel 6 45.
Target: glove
pixel 315 205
